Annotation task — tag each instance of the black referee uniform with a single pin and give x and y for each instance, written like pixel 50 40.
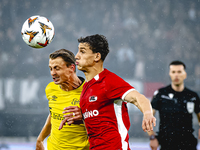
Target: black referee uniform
pixel 176 113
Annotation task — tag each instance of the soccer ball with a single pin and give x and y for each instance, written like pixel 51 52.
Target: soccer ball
pixel 37 31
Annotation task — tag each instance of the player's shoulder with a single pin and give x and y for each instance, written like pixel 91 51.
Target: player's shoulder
pixel 107 72
pixel 51 86
pixel 110 75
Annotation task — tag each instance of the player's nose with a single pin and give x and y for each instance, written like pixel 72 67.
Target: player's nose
pixel 53 72
pixel 77 56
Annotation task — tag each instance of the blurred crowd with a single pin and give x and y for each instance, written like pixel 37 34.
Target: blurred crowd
pixel 144 35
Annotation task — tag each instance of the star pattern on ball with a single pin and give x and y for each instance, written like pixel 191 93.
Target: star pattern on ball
pixel 44 27
pixel 31 34
pixel 31 21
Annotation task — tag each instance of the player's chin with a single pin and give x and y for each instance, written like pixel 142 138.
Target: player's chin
pixel 56 81
pixel 80 68
pixel 177 84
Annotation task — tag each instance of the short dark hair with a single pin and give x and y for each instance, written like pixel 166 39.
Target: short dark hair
pixel 66 55
pixel 98 44
pixel 177 62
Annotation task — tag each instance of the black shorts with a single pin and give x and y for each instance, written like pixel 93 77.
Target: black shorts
pixel 181 141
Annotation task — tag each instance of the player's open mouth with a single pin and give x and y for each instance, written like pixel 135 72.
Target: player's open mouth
pixel 77 63
pixel 55 79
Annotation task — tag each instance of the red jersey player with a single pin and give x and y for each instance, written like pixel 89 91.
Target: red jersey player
pixel 103 99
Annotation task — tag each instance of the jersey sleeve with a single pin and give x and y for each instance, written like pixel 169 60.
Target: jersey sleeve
pixel 117 88
pixel 155 100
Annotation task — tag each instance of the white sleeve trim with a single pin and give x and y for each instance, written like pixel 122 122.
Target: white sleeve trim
pixel 124 95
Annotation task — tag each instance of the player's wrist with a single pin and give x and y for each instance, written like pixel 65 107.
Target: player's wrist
pixel 39 139
pixel 152 137
pixel 148 112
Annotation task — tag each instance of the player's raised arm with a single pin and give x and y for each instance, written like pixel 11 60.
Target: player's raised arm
pixel 144 105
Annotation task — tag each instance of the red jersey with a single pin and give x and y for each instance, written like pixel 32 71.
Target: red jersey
pixel 105 113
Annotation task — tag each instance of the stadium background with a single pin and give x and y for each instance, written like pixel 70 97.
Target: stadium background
pixel 144 37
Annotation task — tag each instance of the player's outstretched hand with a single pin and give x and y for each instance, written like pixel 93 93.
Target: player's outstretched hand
pixel 74 116
pixel 148 121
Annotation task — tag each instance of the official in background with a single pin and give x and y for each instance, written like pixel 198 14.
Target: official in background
pixel 176 105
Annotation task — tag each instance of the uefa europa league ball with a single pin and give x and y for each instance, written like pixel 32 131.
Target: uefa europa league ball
pixel 37 31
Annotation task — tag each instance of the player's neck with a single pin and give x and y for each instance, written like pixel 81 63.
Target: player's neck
pixel 178 88
pixel 93 71
pixel 72 84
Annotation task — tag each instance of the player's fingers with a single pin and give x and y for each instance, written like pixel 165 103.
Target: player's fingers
pixel 74 110
pixel 154 121
pixel 69 111
pixel 143 126
pixel 77 110
pixel 147 125
pixel 71 119
pixel 150 125
pixel 64 112
pixel 62 123
pixel 70 122
pixel 68 115
pixel 70 107
pixel 61 126
pixel 75 116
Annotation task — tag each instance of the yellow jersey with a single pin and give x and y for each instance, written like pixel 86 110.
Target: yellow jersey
pixel 70 137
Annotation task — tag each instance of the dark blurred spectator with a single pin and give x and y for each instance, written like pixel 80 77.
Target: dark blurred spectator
pixel 126 61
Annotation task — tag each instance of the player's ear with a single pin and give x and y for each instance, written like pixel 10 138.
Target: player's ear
pixel 185 75
pixel 97 57
pixel 73 67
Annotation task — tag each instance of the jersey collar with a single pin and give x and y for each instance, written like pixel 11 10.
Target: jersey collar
pixel 96 77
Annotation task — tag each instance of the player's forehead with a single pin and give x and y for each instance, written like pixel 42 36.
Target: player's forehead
pixel 56 62
pixel 176 68
pixel 84 46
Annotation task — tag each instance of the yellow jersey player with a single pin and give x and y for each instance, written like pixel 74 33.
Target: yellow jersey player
pixel 64 91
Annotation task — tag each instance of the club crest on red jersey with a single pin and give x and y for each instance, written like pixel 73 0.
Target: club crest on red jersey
pixel 92 98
